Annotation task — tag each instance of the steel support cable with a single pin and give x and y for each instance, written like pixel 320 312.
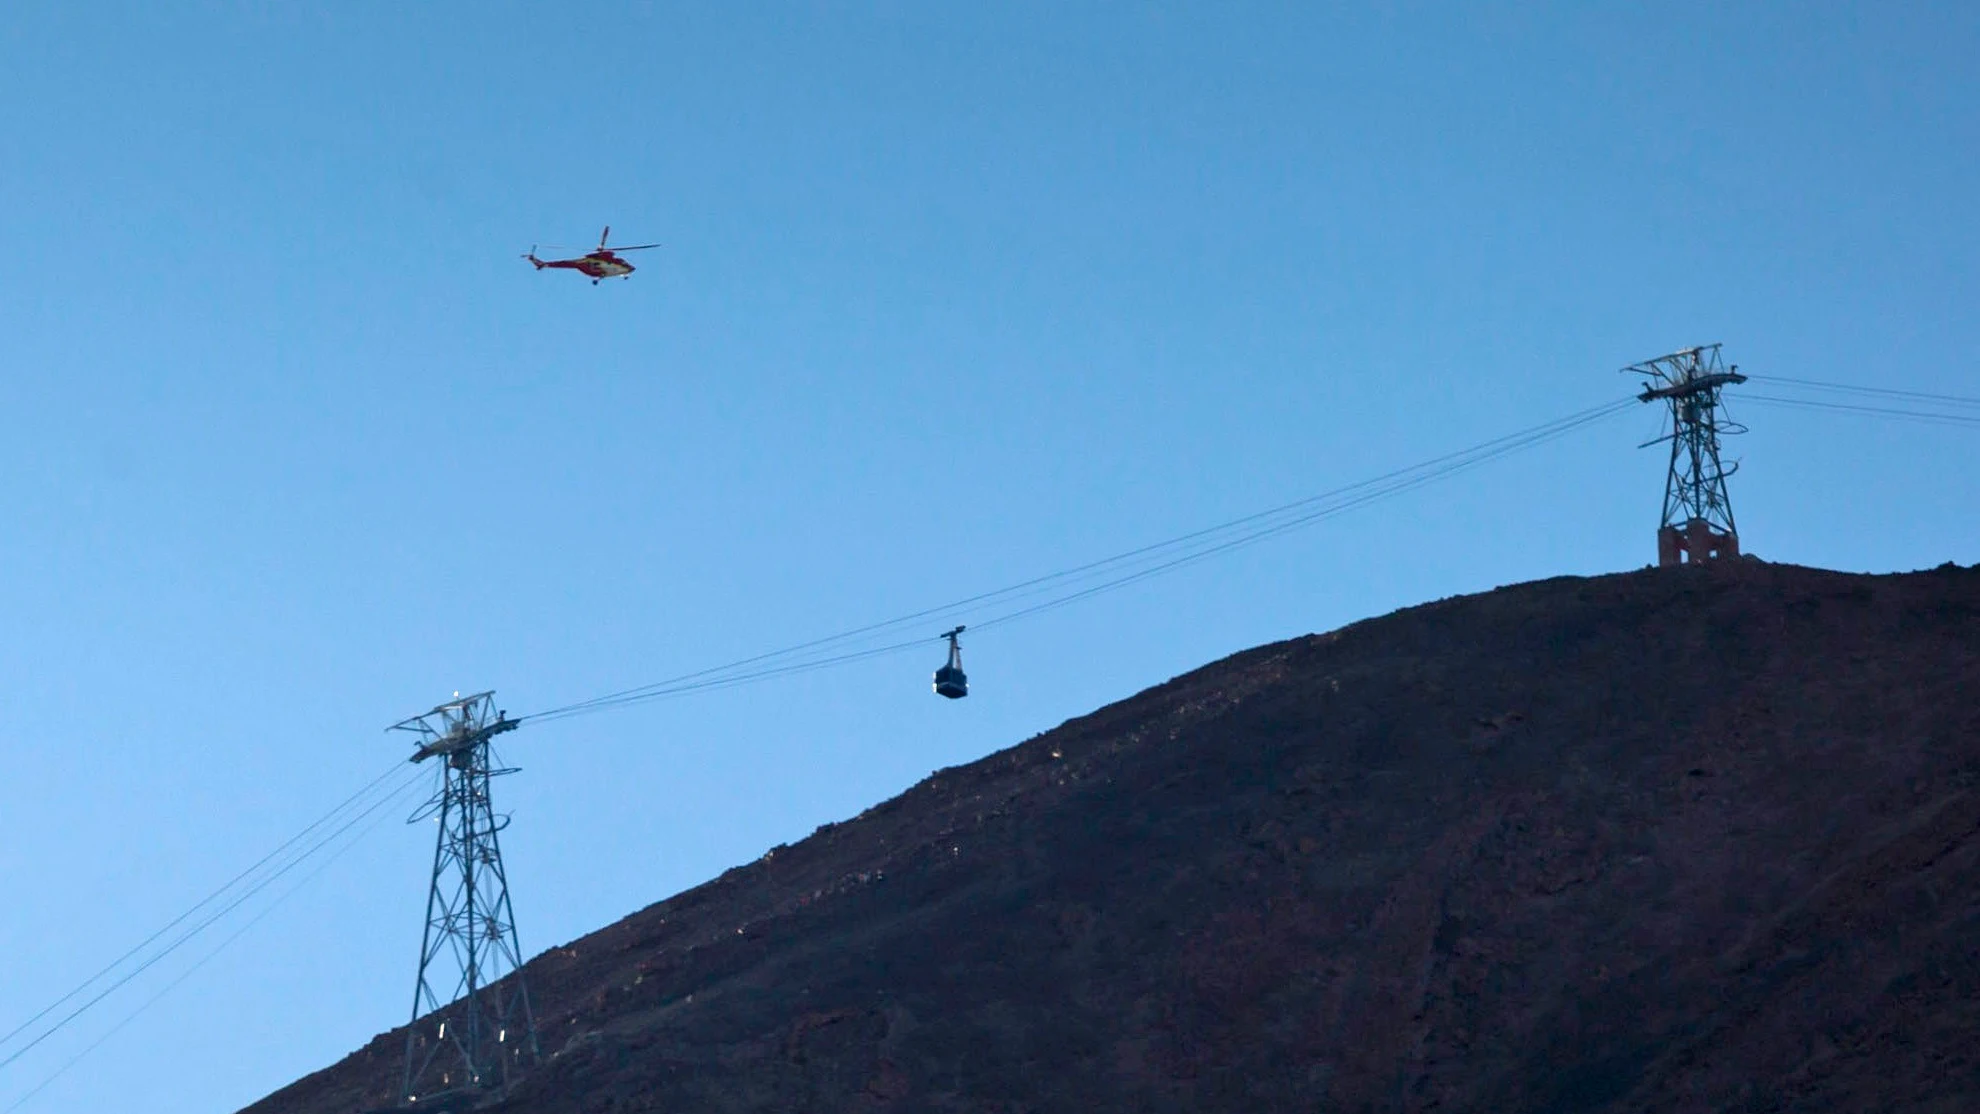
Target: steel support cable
pixel 1266 524
pixel 1178 562
pixel 731 680
pixel 1084 570
pixel 1270 523
pixel 1526 439
pixel 1274 531
pixel 1045 582
pixel 210 956
pixel 1869 411
pixel 201 926
pixel 201 904
pixel 1892 392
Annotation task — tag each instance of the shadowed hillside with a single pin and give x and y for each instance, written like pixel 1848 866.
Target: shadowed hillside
pixel 1674 840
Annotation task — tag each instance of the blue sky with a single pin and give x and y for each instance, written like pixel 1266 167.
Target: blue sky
pixel 952 295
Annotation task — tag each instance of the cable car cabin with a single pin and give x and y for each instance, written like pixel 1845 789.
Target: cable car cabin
pixel 950 680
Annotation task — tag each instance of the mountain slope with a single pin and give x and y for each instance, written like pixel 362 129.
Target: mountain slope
pixel 1672 840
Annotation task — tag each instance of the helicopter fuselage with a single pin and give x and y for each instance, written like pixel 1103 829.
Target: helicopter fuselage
pixel 598 265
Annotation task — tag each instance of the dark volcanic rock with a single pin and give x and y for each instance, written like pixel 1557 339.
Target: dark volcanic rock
pixel 1676 840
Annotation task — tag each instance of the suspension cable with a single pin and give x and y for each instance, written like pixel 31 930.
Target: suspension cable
pixel 1155 558
pixel 1891 392
pixel 1871 411
pixel 210 956
pixel 180 941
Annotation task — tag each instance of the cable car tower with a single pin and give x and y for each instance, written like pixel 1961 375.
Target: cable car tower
pixel 478 1034
pixel 1698 518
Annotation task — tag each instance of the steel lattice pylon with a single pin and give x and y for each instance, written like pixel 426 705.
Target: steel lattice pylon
pixel 482 1034
pixel 1698 518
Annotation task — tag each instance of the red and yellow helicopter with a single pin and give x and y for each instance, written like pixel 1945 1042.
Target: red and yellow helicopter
pixel 601 264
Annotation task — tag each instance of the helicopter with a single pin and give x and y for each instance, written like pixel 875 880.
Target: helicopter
pixel 603 263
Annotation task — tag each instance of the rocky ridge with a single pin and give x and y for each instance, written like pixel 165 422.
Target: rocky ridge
pixel 1672 840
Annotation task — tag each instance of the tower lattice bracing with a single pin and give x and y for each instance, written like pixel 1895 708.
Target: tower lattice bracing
pixel 471 1026
pixel 1698 517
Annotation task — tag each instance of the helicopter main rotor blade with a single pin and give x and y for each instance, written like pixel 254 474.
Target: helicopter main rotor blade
pixel 604 236
pixel 635 247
